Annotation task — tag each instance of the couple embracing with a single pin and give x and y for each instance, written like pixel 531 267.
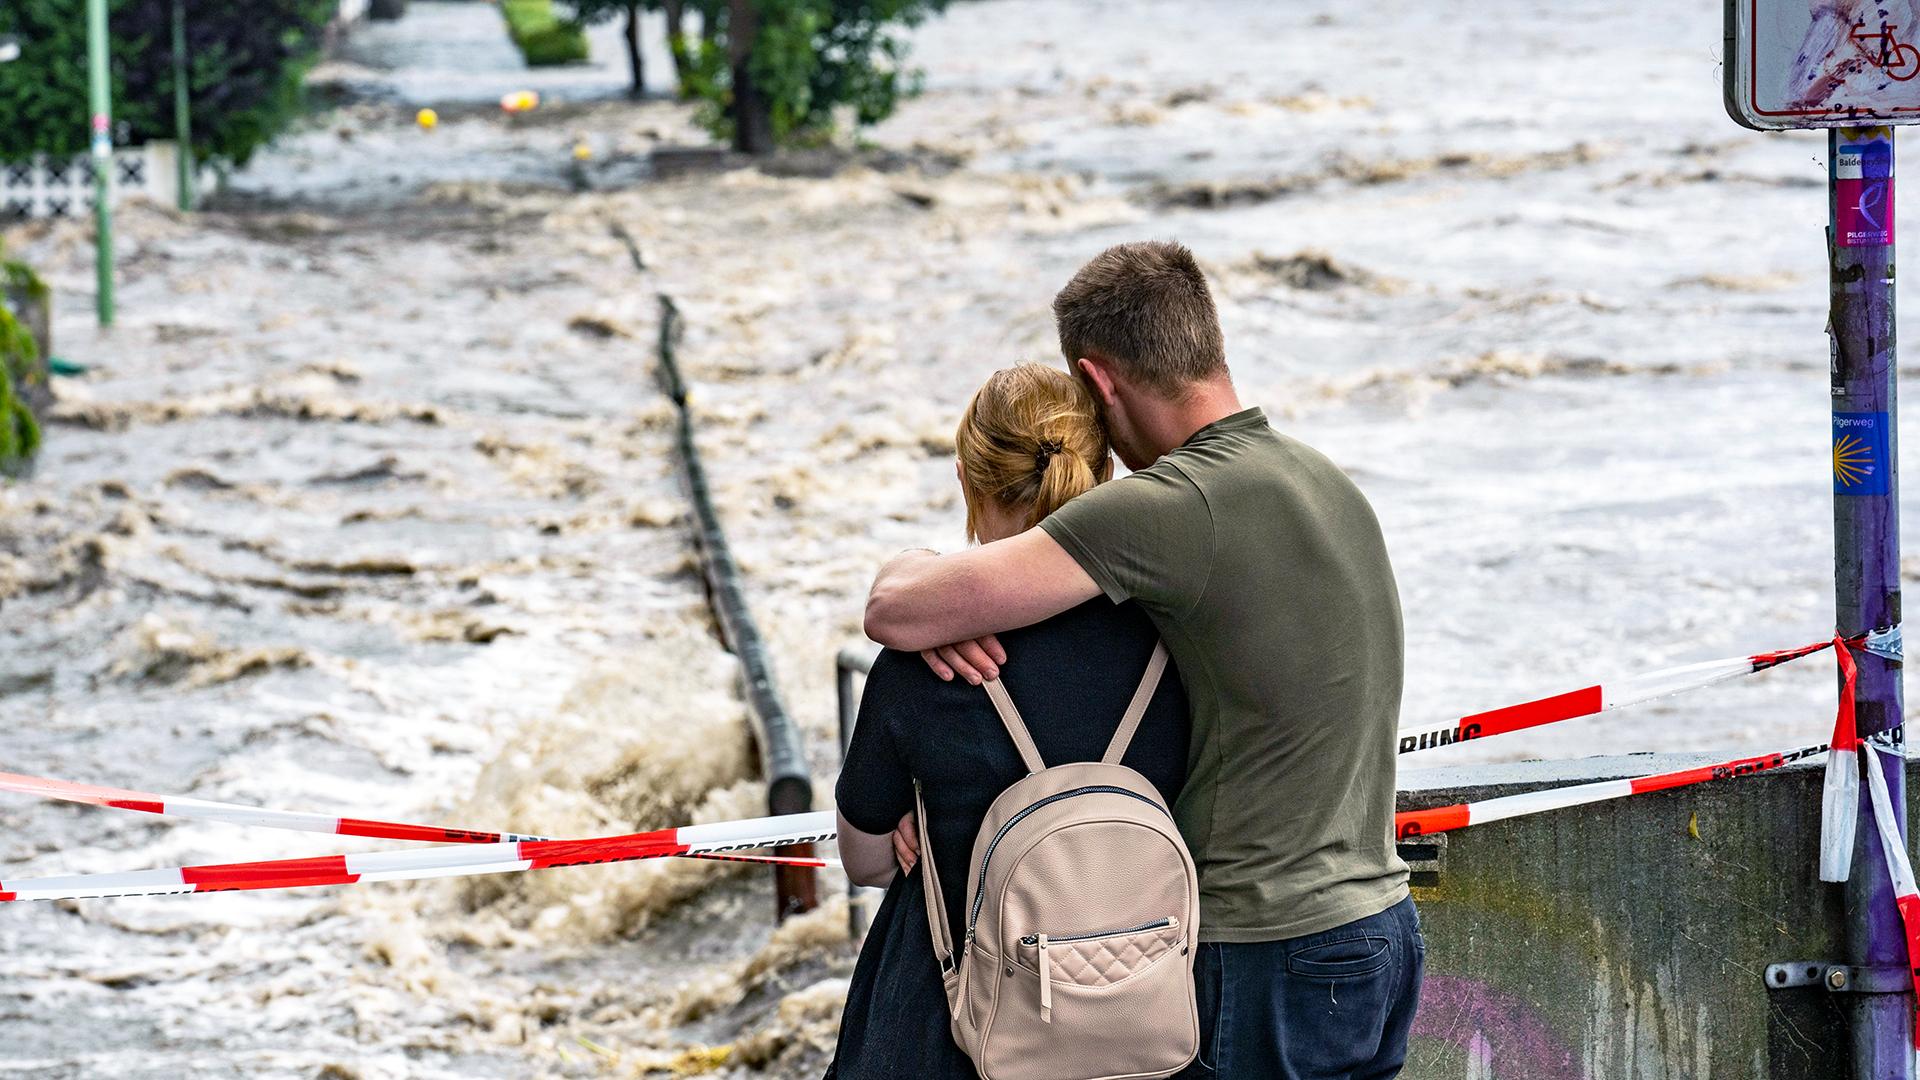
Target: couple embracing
pixel 1259 568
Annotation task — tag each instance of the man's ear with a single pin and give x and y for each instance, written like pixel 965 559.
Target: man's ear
pixel 1100 377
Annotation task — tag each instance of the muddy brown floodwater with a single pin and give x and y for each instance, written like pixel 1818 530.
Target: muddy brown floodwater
pixel 367 505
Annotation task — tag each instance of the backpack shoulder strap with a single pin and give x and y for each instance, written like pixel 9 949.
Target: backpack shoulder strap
pixel 930 881
pixel 1016 727
pixel 1137 708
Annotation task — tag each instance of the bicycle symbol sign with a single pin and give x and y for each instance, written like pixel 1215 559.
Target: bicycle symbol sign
pixel 1823 63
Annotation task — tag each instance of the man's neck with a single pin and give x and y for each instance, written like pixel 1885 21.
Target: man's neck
pixel 1209 402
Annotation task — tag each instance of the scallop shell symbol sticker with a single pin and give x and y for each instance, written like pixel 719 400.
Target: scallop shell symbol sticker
pixel 1860 453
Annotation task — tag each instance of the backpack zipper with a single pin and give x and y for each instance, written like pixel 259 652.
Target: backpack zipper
pixel 1046 981
pixel 973 916
pixel 1157 924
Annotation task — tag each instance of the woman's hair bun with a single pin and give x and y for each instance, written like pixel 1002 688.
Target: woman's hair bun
pixel 1029 441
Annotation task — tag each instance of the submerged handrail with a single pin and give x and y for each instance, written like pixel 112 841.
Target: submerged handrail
pixel 783 755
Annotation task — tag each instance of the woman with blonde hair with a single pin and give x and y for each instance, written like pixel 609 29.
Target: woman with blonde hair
pixel 1029 441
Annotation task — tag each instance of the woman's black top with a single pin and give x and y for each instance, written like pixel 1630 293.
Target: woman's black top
pixel 1071 677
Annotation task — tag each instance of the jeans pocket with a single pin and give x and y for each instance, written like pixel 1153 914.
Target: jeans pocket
pixel 1347 958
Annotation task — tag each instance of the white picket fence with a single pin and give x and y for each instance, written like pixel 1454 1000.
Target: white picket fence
pixel 44 186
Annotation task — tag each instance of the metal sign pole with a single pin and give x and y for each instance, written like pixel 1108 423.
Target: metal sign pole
pixel 1866 557
pixel 100 87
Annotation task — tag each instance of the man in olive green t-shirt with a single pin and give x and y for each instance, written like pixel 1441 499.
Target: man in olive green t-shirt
pixel 1265 571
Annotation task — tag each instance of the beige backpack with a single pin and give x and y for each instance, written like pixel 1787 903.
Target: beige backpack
pixel 1082 904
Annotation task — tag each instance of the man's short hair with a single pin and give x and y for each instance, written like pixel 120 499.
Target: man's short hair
pixel 1146 308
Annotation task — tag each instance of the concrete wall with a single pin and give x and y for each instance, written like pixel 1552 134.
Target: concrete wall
pixel 1627 939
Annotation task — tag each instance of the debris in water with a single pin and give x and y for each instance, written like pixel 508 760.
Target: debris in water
pixel 1310 269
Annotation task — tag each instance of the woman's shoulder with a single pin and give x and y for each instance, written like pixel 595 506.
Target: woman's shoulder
pixel 903 680
pixel 1096 633
pixel 1098 623
pixel 1089 652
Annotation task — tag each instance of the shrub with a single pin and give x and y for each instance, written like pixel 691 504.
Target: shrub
pixel 544 38
pixel 245 73
pixel 19 353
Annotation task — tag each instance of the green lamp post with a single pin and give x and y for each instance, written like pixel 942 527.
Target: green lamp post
pixel 101 93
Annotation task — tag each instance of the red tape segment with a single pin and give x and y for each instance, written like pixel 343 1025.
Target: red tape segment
pixel 1840 791
pixel 292 874
pixel 1534 713
pixel 1910 918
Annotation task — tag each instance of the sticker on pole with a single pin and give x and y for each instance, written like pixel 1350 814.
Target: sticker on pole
pixel 1822 63
pixel 1863 192
pixel 1860 453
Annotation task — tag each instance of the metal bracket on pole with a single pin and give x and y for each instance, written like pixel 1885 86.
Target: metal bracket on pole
pixel 1838 978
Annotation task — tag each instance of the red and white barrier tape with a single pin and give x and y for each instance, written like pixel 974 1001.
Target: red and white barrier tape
pixel 1445 818
pixel 1599 698
pixel 1905 895
pixel 490 852
pixel 1568 706
pixel 1840 793
pixel 147 802
pixel 714 840
pixel 721 839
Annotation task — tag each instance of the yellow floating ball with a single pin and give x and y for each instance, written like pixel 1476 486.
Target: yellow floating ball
pixel 427 119
pixel 520 101
pixel 582 152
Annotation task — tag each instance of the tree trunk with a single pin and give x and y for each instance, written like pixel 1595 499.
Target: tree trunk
pixel 635 63
pixel 677 40
pixel 752 112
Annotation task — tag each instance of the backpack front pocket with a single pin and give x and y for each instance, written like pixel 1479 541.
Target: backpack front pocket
pixel 1100 958
pixel 1080 982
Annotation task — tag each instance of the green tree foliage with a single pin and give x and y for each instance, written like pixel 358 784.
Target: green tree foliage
pixel 544 37
pixel 245 70
pixel 19 431
pixel 687 49
pixel 809 57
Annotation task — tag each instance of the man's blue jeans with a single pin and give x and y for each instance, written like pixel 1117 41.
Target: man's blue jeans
pixel 1337 1005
